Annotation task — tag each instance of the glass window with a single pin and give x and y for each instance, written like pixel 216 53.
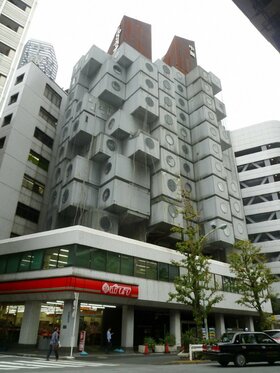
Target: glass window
pixel 37 260
pixel 173 272
pixel 13 99
pixel 5 49
pixel 113 262
pixel 50 258
pixel 218 282
pixel 3 263
pixel 2 142
pixel 43 113
pixel 38 160
pixel 33 185
pixel 126 265
pixel 13 263
pixel 98 260
pixel 139 267
pixel 7 120
pixel 19 3
pixel 63 257
pixel 83 256
pixel 52 95
pixel 25 261
pixel 19 79
pixel 43 137
pixel 27 212
pixel 151 270
pixel 163 271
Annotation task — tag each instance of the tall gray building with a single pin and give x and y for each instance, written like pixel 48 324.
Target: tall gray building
pixel 15 17
pixel 42 54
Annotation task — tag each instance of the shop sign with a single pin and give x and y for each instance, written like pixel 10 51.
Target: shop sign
pixel 82 340
pixel 116 289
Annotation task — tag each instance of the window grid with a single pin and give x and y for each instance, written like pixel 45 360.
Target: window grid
pixel 52 96
pixel 43 113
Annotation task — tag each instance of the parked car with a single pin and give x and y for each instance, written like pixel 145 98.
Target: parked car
pixel 274 334
pixel 242 348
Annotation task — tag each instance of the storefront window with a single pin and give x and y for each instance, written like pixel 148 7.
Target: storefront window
pixel 163 271
pixel 126 265
pixel 98 260
pixel 113 262
pixel 31 260
pixel 83 256
pixel 13 263
pixel 3 263
pixel 50 258
pixel 173 272
pixel 151 270
pixel 139 267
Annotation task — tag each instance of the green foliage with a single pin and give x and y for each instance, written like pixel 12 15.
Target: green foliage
pixel 194 285
pixel 170 339
pixel 150 342
pixel 253 279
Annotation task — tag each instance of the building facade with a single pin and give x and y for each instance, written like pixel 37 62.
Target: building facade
pixel 133 136
pixel 42 54
pixel 15 17
pixel 257 157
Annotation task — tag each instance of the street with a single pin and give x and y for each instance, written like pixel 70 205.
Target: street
pixel 122 364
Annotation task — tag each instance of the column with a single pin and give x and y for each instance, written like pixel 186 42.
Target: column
pixel 127 326
pixel 30 323
pixel 67 323
pixel 175 326
pixel 220 324
pixel 250 324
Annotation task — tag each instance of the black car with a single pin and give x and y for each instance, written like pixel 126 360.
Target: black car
pixel 242 348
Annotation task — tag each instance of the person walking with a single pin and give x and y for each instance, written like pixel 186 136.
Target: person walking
pixel 109 340
pixel 54 344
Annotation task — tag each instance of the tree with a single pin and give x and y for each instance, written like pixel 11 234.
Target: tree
pixel 195 286
pixel 253 279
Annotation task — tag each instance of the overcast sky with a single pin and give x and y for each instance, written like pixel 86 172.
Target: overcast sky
pixel 226 44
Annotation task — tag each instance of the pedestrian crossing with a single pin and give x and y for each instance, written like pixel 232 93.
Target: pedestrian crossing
pixel 6 364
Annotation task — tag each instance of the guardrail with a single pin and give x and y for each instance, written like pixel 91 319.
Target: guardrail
pixel 194 348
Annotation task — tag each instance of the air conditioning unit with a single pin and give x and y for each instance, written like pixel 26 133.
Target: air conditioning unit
pixel 142 147
pixel 210 186
pixel 203 131
pixel 168 162
pixel 220 109
pixel 119 196
pixel 77 195
pixel 203 114
pixel 198 86
pixel 121 125
pixel 196 73
pixel 166 120
pixel 167 139
pixel 110 90
pixel 209 166
pixel 165 215
pixel 201 99
pixel 143 106
pixel 125 55
pixel 166 185
pixel 142 64
pixel 144 82
pixel 104 147
pixel 121 167
pixel 205 148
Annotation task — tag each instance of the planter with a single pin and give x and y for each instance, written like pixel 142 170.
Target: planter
pixel 142 349
pixel 173 348
pixel 159 348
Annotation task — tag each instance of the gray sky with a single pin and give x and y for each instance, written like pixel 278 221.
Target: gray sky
pixel 226 44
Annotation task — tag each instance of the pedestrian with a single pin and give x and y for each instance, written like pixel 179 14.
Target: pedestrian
pixel 109 340
pixel 54 344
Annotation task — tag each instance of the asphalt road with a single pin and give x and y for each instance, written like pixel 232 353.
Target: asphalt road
pixel 122 364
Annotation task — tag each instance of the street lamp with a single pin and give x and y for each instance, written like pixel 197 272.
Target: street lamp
pixel 214 227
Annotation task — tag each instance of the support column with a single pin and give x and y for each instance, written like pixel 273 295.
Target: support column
pixel 175 326
pixel 30 323
pixel 67 322
pixel 220 324
pixel 127 326
pixel 250 324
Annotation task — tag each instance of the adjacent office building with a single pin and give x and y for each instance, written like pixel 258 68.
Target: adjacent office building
pixel 15 17
pixel 42 54
pixel 133 135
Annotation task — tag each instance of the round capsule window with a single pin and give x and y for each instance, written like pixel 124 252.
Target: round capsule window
pixel 166 85
pixel 111 123
pixel 105 223
pixel 181 102
pixel 78 108
pixel 172 211
pixel 69 170
pixel 169 139
pixel 167 101
pixel 116 86
pixel 149 101
pixel 166 69
pixel 182 117
pixel 106 194
pixel 65 196
pixel 107 168
pixel 185 149
pixel 111 145
pixel 184 133
pixel 168 119
pixel 186 167
pixel 171 185
pixel 149 67
pixel 76 126
pixel 149 143
pixel 180 88
pixel 170 161
pixel 117 69
pixel 188 187
pixel 149 83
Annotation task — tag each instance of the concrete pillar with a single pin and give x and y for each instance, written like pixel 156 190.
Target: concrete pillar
pixel 30 323
pixel 175 326
pixel 127 326
pixel 220 324
pixel 67 323
pixel 250 324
